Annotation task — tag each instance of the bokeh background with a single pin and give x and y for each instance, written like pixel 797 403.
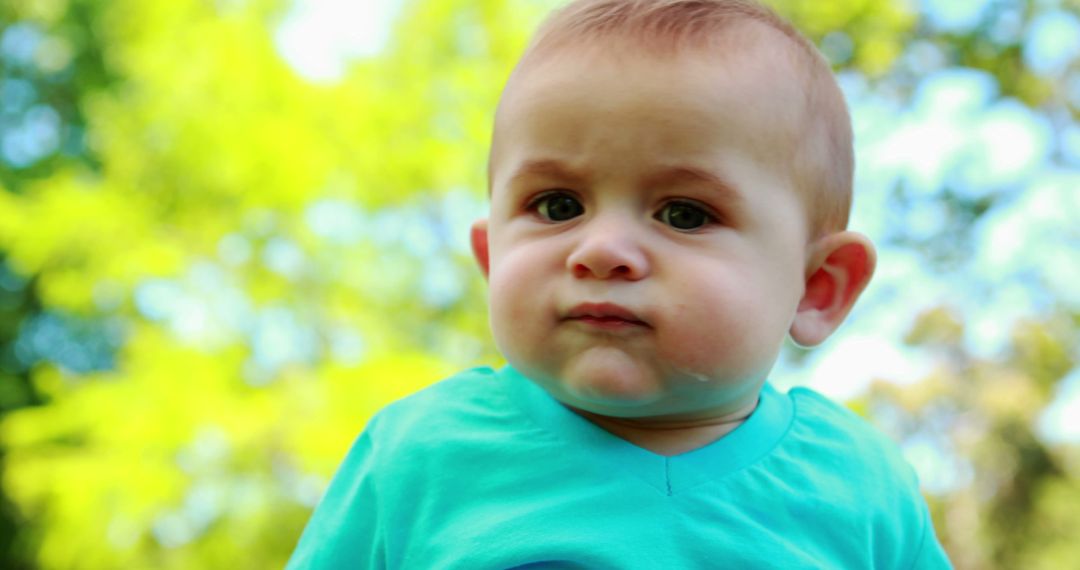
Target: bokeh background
pixel 231 230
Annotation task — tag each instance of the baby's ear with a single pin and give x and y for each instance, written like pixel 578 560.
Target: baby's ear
pixel 478 235
pixel 841 265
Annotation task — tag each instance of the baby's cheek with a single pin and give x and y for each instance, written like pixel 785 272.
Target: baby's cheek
pixel 516 314
pixel 502 309
pixel 705 351
pixel 716 334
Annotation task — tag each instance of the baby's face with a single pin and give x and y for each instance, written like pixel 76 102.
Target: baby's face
pixel 646 251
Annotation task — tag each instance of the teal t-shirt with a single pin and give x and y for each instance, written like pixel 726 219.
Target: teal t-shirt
pixel 485 470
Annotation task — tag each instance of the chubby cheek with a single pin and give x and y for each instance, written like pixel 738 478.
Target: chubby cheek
pixel 727 333
pixel 517 307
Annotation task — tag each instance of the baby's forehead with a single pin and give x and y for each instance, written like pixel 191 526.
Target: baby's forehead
pixel 739 43
pixel 751 87
pixel 768 67
pixel 661 26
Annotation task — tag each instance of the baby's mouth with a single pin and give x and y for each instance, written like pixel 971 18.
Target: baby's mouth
pixel 605 316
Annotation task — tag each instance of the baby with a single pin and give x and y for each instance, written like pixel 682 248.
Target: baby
pixel 670 183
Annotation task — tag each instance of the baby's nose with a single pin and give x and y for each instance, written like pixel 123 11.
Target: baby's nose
pixel 609 252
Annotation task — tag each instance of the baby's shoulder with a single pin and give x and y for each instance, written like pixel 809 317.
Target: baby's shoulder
pixel 468 402
pixel 856 472
pixel 833 436
pixel 816 411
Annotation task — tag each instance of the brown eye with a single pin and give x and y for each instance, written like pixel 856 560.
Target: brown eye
pixel 684 216
pixel 558 207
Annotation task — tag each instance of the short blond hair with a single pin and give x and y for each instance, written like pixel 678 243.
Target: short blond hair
pixel 822 162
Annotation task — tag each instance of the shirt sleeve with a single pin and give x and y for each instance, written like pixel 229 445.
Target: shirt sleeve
pixel 346 530
pixel 930 556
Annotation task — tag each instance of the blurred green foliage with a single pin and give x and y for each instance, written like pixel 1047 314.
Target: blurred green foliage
pixel 214 271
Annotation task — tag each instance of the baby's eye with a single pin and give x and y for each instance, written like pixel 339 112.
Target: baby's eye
pixel 684 216
pixel 557 207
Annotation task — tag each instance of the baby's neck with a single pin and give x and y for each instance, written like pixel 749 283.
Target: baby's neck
pixel 669 438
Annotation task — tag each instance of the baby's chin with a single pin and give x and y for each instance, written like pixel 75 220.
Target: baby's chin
pixel 605 380
pixel 611 382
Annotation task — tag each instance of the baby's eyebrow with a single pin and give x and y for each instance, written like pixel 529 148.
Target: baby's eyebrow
pixel 551 169
pixel 684 174
pixel 670 176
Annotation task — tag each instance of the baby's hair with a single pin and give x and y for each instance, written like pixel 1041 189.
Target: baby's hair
pixel 822 162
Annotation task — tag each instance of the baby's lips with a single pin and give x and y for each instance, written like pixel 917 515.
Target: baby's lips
pixel 604 312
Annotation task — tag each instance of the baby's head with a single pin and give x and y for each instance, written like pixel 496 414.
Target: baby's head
pixel 670 182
